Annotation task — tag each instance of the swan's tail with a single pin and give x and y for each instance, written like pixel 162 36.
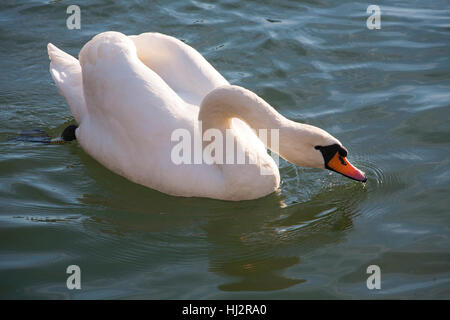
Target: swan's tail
pixel 66 72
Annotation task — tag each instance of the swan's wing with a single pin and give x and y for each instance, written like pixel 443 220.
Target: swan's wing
pixel 66 72
pixel 118 85
pixel 183 68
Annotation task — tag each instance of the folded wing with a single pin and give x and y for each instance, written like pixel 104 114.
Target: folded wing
pixel 179 65
pixel 66 73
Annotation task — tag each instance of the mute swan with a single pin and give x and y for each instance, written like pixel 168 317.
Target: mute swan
pixel 129 94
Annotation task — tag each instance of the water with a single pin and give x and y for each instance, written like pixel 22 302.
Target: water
pixel 384 93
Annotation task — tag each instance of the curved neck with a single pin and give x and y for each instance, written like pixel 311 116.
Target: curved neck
pixel 217 110
pixel 227 102
pixel 223 104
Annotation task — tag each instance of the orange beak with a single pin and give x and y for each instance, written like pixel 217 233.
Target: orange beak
pixel 341 165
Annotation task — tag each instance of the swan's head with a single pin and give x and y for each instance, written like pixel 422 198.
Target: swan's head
pixel 315 148
pixel 334 158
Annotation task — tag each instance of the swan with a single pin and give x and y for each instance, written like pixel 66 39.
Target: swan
pixel 129 94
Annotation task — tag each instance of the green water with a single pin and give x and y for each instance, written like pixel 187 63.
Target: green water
pixel 384 93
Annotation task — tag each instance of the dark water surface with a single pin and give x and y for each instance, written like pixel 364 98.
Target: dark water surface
pixel 384 93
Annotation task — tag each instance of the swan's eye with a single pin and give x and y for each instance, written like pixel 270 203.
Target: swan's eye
pixel 328 152
pixel 343 152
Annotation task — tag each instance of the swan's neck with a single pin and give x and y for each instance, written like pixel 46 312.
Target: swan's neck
pixel 293 141
pixel 223 104
pixel 220 106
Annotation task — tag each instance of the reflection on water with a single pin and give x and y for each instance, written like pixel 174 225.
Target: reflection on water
pixel 257 275
pixel 249 252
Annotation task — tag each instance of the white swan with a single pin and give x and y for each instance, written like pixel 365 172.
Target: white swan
pixel 130 93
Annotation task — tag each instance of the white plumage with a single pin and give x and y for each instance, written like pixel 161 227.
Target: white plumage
pixel 129 93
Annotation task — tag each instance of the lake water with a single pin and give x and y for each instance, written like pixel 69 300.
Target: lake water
pixel 384 93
